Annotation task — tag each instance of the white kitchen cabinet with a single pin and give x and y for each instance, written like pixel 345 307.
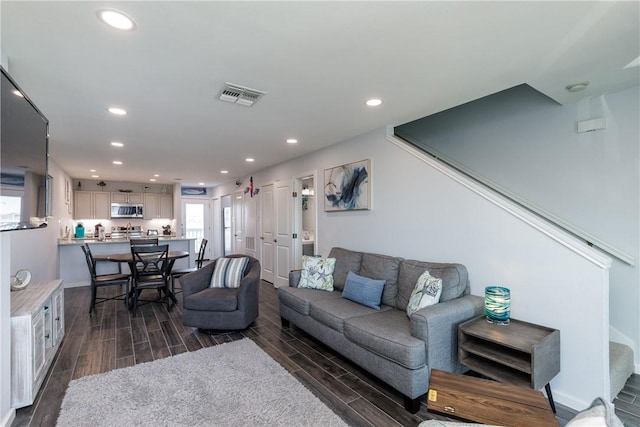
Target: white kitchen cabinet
pixel 92 205
pixel 127 197
pixel 157 205
pixel 37 330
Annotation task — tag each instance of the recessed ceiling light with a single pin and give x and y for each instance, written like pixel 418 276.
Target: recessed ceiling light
pixel 156 175
pixel 95 176
pixel 373 102
pixel 249 159
pixel 92 170
pixel 152 179
pixel 117 111
pixel 117 144
pixel 201 183
pixel 117 162
pixel 18 93
pixel 116 19
pixel 224 171
pixel 292 141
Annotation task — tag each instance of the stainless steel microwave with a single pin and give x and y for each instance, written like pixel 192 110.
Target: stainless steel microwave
pixel 127 210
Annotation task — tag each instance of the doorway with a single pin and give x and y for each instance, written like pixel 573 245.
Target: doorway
pixel 227 241
pixel 308 216
pixel 196 214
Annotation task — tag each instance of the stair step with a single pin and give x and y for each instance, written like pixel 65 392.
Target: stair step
pixel 621 366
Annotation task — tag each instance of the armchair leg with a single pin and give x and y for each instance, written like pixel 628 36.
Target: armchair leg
pixel 412 405
pixel 284 322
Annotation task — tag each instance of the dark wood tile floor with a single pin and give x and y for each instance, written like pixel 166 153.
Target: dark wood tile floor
pixel 112 339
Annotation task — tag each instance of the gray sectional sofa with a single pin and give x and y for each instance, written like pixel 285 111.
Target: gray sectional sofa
pixel 395 348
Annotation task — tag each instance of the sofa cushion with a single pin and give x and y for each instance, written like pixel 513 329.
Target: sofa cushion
pixel 454 279
pixel 332 313
pixel 426 292
pixel 213 299
pixel 346 261
pixel 317 273
pixel 300 299
pixel 387 334
pixel 382 267
pixel 363 290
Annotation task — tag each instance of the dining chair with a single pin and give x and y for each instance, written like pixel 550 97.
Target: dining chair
pixel 104 280
pixel 153 272
pixel 176 274
pixel 143 242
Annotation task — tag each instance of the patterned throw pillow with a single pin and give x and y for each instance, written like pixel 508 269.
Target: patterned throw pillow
pixel 426 292
pixel 228 272
pixel 317 273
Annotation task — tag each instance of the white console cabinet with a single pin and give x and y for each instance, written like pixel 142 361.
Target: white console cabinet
pixel 37 329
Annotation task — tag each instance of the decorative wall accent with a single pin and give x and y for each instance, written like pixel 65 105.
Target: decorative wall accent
pixel 347 188
pixel 193 191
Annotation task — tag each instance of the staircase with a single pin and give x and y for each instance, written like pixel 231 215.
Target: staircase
pixel 620 366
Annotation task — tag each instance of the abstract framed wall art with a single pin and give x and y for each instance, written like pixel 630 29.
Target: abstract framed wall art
pixel 347 187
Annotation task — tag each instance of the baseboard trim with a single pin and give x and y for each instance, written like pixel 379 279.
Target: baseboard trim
pixel 8 418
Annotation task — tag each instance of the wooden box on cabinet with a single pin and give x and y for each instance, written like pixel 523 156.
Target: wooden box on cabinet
pixel 37 329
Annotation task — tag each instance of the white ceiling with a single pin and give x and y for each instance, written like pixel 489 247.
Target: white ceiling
pixel 317 62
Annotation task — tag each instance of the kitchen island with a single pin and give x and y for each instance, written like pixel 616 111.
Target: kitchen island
pixel 73 268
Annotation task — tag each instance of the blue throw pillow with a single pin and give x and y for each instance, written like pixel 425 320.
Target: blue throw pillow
pixel 363 290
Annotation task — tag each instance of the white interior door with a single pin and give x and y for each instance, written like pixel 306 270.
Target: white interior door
pixel 196 216
pixel 250 218
pixel 237 207
pixel 267 237
pixel 284 228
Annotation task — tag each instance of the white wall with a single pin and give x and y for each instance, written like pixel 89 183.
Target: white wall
pixel 37 251
pixel 6 413
pixel 528 145
pixel 421 213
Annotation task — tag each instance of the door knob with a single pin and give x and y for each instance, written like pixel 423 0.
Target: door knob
pixel 275 240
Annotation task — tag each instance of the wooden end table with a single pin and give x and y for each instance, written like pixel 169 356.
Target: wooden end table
pixel 520 353
pixel 486 401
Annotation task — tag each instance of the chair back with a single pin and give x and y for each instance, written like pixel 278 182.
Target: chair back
pixel 153 260
pixel 91 263
pixel 200 259
pixel 143 242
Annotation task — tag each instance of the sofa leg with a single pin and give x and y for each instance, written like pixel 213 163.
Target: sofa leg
pixel 412 405
pixel 284 322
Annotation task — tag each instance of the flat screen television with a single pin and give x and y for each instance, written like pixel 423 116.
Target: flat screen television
pixel 25 188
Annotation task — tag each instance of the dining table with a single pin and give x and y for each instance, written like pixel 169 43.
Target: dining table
pixel 127 257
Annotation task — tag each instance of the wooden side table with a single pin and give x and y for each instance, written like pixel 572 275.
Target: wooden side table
pixel 521 353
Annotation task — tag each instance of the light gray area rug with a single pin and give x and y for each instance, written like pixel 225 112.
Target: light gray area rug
pixel 232 384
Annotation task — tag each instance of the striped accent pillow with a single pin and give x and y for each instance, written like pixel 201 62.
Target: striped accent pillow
pixel 228 272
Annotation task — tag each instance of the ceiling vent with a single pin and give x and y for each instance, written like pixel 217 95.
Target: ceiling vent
pixel 237 94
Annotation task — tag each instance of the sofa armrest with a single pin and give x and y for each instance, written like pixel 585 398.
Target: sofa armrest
pixel 437 326
pixel 197 280
pixel 294 278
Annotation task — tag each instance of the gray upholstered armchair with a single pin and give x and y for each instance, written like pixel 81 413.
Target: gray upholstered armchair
pixel 220 308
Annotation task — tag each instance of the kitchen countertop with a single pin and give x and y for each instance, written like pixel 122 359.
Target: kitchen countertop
pixel 74 241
